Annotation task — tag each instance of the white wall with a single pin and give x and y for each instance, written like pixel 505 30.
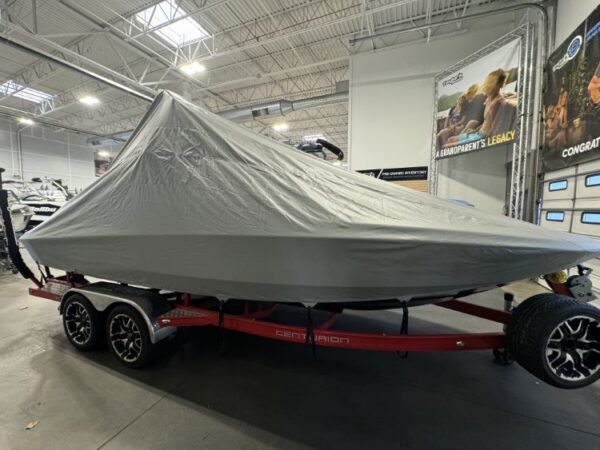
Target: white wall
pixel 7 156
pixel 569 14
pixel 47 152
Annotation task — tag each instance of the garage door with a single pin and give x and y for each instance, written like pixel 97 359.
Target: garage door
pixel 571 202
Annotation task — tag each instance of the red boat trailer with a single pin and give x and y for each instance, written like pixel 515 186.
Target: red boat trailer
pixel 555 336
pixel 190 312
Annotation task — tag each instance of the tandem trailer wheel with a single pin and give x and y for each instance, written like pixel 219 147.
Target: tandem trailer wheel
pixel 128 337
pixel 557 339
pixel 83 324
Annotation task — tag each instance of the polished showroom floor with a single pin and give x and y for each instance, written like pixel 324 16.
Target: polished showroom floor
pixel 265 394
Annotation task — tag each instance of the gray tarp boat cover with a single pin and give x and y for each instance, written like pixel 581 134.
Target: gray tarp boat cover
pixel 195 203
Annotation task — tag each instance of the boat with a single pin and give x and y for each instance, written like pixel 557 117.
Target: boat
pixel 43 205
pixel 20 213
pixel 194 203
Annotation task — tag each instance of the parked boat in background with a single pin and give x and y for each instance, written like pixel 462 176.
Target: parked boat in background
pixel 42 204
pixel 21 214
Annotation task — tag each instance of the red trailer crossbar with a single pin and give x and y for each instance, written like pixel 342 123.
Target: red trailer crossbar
pixel 484 312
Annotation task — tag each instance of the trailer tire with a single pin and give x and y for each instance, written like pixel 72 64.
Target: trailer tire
pixel 558 341
pixel 520 316
pixel 83 324
pixel 128 337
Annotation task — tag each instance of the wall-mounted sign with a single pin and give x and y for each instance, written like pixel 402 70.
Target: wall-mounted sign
pixel 572 98
pixel 476 106
pixel 411 177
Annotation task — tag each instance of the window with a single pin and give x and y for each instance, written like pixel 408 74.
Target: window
pixel 18 90
pixel 560 185
pixel 592 217
pixel 555 216
pixel 164 17
pixel 592 180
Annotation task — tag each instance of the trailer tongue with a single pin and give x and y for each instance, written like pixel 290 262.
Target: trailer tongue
pixel 555 336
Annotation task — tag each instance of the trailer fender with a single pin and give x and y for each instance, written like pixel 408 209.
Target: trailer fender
pixel 103 295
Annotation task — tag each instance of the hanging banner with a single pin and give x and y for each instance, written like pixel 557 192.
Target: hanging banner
pixel 476 106
pixel 411 177
pixel 572 98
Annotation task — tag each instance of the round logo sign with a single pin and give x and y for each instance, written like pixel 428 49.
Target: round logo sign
pixel 574 47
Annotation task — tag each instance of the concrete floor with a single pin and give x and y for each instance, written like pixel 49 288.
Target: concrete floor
pixel 265 394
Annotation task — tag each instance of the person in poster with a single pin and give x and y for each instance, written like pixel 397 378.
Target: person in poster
pixel 498 113
pixel 477 106
pixel 594 86
pixel 466 114
pixel 572 99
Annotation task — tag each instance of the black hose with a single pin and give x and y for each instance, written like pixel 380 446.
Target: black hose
pixel 9 234
pixel 332 148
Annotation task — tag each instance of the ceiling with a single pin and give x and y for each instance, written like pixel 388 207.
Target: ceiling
pixel 255 52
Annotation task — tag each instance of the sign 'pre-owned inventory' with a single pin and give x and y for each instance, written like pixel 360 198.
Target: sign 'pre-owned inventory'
pixel 411 177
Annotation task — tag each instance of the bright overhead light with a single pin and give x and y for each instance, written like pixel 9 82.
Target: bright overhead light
pixel 89 100
pixel 103 153
pixel 280 126
pixel 192 68
pixel 25 121
pixel 9 88
pixel 171 23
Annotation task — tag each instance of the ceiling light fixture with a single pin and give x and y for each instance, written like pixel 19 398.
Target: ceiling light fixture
pixel 25 121
pixel 192 68
pixel 280 126
pixel 89 100
pixel 103 153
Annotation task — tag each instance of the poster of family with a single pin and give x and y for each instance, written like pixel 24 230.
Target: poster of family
pixel 572 98
pixel 476 106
